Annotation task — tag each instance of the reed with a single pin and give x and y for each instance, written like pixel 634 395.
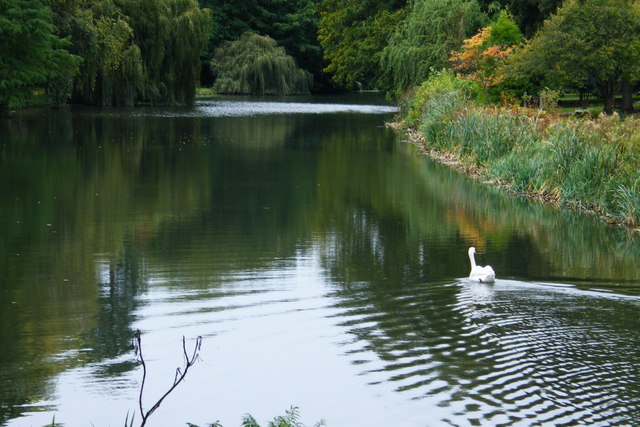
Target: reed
pixel 627 202
pixel 590 164
pixel 486 136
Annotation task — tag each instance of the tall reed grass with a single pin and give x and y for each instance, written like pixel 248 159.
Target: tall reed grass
pixel 592 164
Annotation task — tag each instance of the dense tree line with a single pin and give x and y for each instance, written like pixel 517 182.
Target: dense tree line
pixel 134 50
pixel 589 46
pixel 394 45
pixel 102 52
pixel 293 24
pixel 122 52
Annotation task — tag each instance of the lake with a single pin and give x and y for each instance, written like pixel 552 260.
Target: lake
pixel 321 258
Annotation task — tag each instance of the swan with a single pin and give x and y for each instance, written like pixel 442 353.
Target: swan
pixel 479 273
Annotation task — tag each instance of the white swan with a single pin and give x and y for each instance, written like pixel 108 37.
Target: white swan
pixel 479 273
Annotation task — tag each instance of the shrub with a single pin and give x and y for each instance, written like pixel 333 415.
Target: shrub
pixel 441 83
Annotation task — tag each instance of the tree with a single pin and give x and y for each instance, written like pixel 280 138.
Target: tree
pixel 481 55
pixel 256 65
pixel 135 51
pixel 424 40
pixel 504 31
pixel 293 24
pixel 30 53
pixel 528 14
pixel 589 44
pixel 171 35
pixel 353 35
pixel 111 71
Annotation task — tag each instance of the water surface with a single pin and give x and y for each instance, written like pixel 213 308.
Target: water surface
pixel 321 258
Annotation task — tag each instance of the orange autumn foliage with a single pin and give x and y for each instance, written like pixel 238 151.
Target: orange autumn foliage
pixel 480 61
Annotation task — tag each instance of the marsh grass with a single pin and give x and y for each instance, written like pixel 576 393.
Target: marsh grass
pixel 590 164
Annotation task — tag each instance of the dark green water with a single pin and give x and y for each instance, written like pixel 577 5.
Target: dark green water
pixel 322 260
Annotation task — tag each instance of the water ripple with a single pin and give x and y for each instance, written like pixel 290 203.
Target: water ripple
pixel 502 354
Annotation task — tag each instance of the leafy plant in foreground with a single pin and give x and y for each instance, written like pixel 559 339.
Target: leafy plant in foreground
pixel 291 418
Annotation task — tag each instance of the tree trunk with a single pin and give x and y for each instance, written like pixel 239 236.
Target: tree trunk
pixel 608 93
pixel 627 97
pixel 608 104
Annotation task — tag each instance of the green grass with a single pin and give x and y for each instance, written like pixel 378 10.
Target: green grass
pixel 203 92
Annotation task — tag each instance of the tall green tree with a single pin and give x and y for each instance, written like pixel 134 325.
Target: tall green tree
pixel 504 31
pixel 135 51
pixel 171 35
pixel 293 24
pixel 256 65
pixel 425 39
pixel 111 73
pixel 528 14
pixel 353 35
pixel 589 44
pixel 31 54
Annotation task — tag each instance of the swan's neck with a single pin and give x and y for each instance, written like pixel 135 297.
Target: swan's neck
pixel 473 260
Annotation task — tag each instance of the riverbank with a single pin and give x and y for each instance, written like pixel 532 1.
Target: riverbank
pixel 591 165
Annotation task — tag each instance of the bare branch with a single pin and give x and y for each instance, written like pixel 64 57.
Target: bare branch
pixel 179 377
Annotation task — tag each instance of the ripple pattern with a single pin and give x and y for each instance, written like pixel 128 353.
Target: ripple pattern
pixel 505 354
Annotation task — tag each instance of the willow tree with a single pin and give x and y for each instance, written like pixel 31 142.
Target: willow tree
pixel 255 64
pixel 291 23
pixel 424 40
pixel 171 35
pixel 111 70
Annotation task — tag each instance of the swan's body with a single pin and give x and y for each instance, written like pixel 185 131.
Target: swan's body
pixel 479 273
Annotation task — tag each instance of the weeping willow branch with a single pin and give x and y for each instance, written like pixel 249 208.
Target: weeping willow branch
pixel 256 65
pixel 189 361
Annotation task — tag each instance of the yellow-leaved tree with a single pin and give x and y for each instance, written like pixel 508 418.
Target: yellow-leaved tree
pixel 482 55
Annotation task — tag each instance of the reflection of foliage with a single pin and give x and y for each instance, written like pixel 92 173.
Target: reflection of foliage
pixel 127 196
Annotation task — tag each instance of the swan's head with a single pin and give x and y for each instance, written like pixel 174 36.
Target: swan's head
pixel 472 250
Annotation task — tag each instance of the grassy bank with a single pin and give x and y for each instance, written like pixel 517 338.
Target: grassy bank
pixel 588 164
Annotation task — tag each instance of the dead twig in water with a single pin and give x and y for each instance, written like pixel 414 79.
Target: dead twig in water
pixel 179 377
